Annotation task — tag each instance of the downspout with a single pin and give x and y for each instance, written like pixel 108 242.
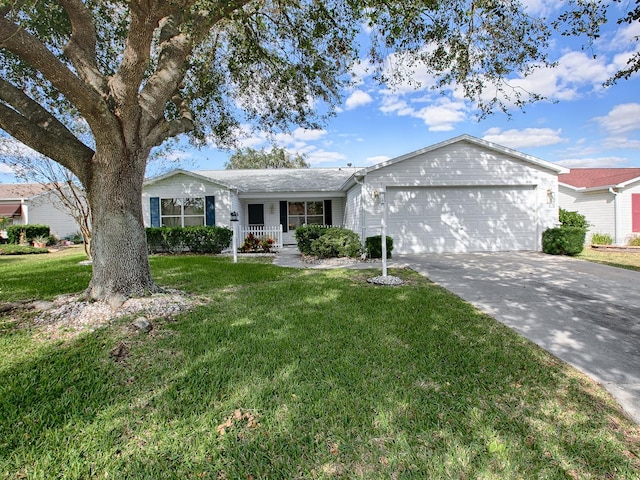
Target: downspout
pixel 362 209
pixel 616 215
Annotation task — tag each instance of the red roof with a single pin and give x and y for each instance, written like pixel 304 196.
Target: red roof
pixel 598 177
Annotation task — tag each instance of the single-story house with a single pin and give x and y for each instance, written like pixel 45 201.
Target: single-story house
pixel 461 195
pixel 34 203
pixel 609 198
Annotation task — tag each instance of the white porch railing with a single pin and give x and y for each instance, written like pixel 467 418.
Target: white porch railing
pixel 274 232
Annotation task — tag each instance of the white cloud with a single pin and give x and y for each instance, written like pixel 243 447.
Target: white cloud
pixel 6 169
pixel 377 159
pixel 527 137
pixel 317 156
pixel 440 115
pixel 595 162
pixel 358 99
pixel 621 119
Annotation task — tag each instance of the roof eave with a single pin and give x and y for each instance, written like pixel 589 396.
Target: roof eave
pixel 476 141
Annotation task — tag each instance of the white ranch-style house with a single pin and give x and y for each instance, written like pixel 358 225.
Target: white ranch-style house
pixel 34 203
pixel 461 195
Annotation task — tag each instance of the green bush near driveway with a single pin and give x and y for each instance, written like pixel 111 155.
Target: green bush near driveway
pixel 563 240
pixel 373 246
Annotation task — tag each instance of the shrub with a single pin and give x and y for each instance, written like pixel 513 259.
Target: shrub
pixel 601 239
pixel 193 239
pixel 257 244
pixel 20 250
pixel 206 239
pixel 336 242
pixel 563 240
pixel 634 241
pixel 572 219
pixel 28 232
pixel 373 246
pixel 306 234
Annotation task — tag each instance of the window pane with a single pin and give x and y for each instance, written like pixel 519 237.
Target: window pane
pixel 171 222
pixel 193 221
pixel 314 208
pixel 296 208
pixel 315 219
pixel 194 206
pixel 295 221
pixel 171 206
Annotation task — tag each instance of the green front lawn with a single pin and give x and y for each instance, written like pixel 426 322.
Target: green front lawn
pixel 288 374
pixel 628 260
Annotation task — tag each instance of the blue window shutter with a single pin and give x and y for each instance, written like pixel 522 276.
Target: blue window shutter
pixel 284 215
pixel 154 210
pixel 210 211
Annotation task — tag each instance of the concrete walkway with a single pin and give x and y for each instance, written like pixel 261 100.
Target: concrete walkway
pixel 584 313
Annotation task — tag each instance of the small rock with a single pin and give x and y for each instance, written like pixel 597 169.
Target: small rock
pixel 42 305
pixel 142 324
pixel 116 301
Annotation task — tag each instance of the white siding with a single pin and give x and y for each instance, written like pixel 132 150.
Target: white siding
pixel 598 208
pixel 46 209
pixel 186 186
pixel 353 212
pixel 464 164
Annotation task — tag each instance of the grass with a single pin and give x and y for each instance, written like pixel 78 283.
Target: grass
pixel 298 374
pixel 628 260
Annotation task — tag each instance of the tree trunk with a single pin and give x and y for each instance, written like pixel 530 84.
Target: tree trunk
pixel 118 243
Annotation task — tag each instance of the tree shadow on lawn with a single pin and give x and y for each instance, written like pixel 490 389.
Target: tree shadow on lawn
pixel 313 375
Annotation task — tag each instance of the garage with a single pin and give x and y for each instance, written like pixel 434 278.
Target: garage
pixel 462 219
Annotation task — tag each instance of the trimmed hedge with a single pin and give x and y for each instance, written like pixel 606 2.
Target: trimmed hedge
pixel 30 232
pixel 191 239
pixel 336 242
pixel 373 246
pixel 563 240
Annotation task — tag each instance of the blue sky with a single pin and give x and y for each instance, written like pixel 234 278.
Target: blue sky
pixel 582 125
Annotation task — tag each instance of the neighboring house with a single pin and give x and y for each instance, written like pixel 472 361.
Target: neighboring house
pixel 461 195
pixel 609 198
pixel 33 203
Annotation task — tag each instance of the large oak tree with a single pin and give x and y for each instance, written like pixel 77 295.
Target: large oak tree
pixel 140 72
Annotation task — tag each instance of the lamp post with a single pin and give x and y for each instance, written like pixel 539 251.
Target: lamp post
pixel 234 219
pixel 384 233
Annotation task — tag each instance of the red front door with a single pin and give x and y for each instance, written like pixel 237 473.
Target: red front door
pixel 635 212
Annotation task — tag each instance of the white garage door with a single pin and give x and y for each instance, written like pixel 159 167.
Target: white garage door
pixel 462 219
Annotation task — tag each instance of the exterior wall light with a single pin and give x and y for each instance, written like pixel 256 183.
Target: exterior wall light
pixel 233 216
pixel 551 198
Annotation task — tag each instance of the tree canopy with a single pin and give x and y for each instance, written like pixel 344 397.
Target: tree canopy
pixel 135 73
pixel 277 157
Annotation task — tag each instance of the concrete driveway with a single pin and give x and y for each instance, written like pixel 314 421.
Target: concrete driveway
pixel 584 313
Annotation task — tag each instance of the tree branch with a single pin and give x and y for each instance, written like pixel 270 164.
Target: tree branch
pixel 28 122
pixel 175 48
pixel 81 47
pixel 17 40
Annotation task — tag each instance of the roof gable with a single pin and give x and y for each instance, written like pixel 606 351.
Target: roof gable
pixel 478 143
pixel 599 177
